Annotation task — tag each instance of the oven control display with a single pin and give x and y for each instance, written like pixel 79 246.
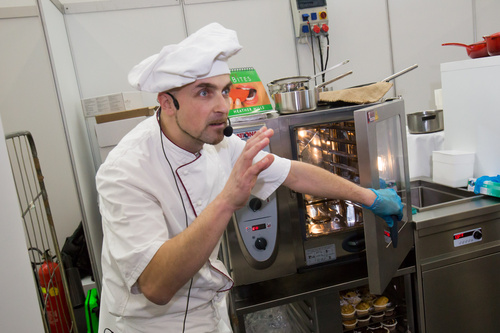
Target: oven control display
pixel 467 237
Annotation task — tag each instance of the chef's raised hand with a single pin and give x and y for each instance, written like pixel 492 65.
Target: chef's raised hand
pixel 387 204
pixel 244 174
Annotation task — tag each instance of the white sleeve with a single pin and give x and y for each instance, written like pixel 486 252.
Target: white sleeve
pixel 271 178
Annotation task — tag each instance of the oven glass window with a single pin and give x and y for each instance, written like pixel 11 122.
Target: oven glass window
pixel 331 146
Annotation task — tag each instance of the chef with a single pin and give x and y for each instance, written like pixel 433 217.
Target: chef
pixel 169 188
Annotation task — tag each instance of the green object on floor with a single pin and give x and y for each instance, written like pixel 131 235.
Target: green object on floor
pixel 92 310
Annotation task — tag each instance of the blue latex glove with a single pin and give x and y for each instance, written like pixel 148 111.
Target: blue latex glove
pixel 387 204
pixel 480 181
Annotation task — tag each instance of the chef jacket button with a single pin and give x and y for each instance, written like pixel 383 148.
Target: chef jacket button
pixel 198 203
pixel 185 172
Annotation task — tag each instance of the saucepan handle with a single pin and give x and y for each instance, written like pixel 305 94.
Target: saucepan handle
pixel 393 76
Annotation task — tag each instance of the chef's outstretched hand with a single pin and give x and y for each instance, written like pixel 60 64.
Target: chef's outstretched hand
pixel 387 204
pixel 244 174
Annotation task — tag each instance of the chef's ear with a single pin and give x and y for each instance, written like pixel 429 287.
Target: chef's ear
pixel 166 102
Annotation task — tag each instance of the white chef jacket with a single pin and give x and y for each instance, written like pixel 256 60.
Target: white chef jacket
pixel 142 207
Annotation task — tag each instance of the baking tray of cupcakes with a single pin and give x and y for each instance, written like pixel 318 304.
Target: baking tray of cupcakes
pixel 362 310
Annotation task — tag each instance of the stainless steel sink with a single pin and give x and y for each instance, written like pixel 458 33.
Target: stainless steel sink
pixel 426 195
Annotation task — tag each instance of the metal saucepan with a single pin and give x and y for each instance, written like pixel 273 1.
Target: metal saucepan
pixel 493 44
pixel 294 83
pixel 476 50
pixel 425 122
pixel 300 100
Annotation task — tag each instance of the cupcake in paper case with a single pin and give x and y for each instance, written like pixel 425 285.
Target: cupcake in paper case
pixel 378 315
pixel 362 308
pixel 347 311
pixel 390 324
pixel 352 297
pixel 377 328
pixel 369 298
pixel 364 320
pixel 374 326
pixel 380 303
pixel 350 324
pixel 389 311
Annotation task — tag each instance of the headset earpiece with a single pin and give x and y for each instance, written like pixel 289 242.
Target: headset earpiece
pixel 174 100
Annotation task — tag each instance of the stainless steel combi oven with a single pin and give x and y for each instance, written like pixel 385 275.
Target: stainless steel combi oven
pixel 292 232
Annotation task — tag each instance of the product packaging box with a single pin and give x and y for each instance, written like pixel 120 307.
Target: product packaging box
pixel 488 187
pixel 452 167
pixel 111 128
pixel 123 101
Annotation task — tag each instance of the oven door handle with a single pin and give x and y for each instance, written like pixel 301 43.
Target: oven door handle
pixel 394 231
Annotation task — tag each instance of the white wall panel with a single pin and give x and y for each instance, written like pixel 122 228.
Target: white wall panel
pixel 18 8
pixel 106 45
pixel 20 291
pixel 470 100
pixel 85 6
pixel 28 102
pixel 419 27
pixel 359 32
pixel 76 132
pixel 487 21
pixel 264 30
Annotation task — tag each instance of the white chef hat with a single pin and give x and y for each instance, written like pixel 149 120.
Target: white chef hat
pixel 202 54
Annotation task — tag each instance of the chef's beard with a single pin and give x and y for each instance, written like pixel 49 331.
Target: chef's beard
pixel 201 138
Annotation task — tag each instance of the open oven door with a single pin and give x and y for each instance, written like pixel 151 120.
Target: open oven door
pixel 383 163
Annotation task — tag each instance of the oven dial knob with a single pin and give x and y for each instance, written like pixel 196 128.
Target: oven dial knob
pixel 255 204
pixel 261 243
pixel 477 234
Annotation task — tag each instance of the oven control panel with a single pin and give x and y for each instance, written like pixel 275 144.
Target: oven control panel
pixel 258 227
pixel 257 222
pixel 467 237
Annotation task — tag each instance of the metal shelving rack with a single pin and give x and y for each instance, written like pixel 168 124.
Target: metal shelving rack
pixel 41 239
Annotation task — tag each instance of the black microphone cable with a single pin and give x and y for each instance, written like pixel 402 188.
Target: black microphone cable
pixel 176 104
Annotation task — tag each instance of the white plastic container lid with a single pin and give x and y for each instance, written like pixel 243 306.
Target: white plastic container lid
pixel 453 156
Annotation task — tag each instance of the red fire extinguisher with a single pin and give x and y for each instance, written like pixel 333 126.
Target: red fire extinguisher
pixel 54 297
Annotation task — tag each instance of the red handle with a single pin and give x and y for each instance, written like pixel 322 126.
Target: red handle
pixel 456 44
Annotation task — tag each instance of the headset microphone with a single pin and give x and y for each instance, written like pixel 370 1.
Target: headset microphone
pixel 174 100
pixel 228 131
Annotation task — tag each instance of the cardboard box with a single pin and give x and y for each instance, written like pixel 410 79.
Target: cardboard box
pixel 129 100
pixel 452 167
pixel 111 128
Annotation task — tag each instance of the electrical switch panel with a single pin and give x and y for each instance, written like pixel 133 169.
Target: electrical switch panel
pixel 309 17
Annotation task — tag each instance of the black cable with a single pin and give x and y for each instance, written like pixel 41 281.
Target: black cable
pixel 321 58
pixel 327 50
pixel 183 206
pixel 187 306
pixel 312 50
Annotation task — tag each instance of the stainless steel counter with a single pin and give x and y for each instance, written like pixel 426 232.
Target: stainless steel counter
pixel 457 248
pixel 463 210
